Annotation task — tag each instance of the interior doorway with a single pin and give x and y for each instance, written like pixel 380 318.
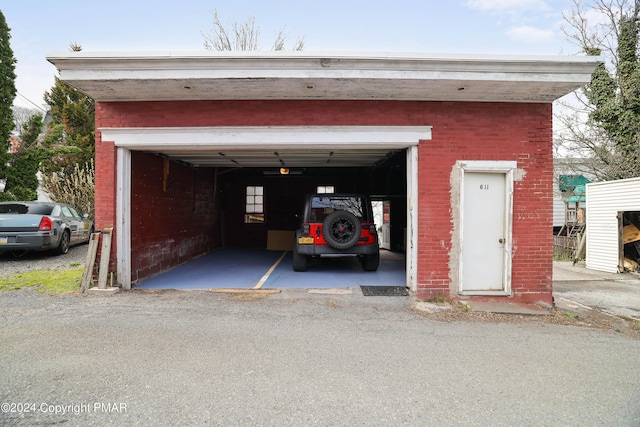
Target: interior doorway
pixel 629 225
pixel 382 215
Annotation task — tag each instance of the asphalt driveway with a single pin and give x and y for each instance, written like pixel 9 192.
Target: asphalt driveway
pixel 296 358
pixel 578 288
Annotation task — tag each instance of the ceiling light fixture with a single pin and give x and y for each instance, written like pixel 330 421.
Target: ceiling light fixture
pixel 330 156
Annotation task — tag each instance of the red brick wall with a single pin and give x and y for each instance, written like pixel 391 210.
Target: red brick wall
pixel 105 192
pixel 520 132
pixel 461 131
pixel 173 219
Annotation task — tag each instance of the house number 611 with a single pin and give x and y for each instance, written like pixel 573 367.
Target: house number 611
pixel 484 186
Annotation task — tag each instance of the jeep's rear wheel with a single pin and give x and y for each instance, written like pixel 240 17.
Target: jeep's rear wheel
pixel 341 229
pixel 370 262
pixel 299 260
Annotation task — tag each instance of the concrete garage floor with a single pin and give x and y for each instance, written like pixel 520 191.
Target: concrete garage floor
pixel 259 268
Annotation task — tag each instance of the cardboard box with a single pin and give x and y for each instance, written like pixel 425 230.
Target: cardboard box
pixel 280 240
pixel 630 233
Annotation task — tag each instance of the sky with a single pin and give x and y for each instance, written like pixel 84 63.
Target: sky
pixel 500 27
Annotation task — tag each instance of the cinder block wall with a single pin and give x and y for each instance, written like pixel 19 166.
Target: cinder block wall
pixel 461 131
pixel 174 214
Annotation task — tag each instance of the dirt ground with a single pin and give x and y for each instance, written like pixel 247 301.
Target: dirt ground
pixel 458 313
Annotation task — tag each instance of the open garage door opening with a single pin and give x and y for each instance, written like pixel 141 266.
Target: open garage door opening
pixel 188 203
pixel 249 217
pixel 630 241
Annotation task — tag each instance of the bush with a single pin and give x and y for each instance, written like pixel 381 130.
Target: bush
pixel 75 187
pixel 22 183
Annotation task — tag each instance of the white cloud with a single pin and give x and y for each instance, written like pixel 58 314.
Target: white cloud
pixel 530 34
pixel 507 5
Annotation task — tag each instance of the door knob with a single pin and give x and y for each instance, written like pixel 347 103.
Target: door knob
pixel 501 241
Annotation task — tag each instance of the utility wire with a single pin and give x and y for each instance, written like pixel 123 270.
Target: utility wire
pixel 31 102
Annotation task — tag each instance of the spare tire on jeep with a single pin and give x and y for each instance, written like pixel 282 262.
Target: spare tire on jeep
pixel 341 229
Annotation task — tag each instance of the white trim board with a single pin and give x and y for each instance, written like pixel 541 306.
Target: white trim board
pixel 267 137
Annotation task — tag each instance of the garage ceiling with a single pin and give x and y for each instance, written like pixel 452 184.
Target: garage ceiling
pixel 282 158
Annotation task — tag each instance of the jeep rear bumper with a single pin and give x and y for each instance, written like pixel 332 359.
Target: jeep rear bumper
pixel 315 250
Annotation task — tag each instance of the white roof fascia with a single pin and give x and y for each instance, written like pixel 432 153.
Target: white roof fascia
pixel 371 75
pixel 280 63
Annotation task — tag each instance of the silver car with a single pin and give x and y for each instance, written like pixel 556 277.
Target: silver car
pixel 41 226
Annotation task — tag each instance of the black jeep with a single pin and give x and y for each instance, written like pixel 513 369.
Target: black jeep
pixel 337 224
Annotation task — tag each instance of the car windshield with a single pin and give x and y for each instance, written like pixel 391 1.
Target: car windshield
pixel 22 208
pixel 324 205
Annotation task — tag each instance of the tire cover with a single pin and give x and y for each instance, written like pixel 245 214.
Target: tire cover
pixel 341 229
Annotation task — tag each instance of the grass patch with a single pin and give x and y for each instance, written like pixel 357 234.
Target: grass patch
pixel 441 299
pixel 632 323
pixel 333 304
pixel 54 281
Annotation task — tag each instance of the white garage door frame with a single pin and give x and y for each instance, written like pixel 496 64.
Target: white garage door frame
pixel 267 138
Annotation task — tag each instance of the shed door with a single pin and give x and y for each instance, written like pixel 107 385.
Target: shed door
pixel 484 232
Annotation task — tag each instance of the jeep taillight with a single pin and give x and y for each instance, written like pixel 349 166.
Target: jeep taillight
pixel 45 224
pixel 372 228
pixel 305 229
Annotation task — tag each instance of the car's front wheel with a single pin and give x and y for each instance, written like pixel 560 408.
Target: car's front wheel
pixel 65 241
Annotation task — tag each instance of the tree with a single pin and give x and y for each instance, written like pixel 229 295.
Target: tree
pixel 21 173
pixel 37 151
pixel 242 37
pixel 67 148
pixel 608 145
pixel 7 95
pixel 21 115
pixel 30 131
pixel 75 113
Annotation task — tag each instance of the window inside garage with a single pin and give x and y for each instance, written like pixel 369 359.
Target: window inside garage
pixel 254 201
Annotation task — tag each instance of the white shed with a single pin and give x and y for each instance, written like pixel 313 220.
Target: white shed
pixel 607 203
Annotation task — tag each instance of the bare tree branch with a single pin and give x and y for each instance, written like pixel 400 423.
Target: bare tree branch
pixel 241 37
pixel 582 138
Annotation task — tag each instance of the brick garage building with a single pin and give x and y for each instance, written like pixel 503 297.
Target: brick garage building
pixel 460 147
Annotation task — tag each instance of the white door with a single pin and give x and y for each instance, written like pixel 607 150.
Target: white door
pixel 385 238
pixel 484 232
pixel 382 219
